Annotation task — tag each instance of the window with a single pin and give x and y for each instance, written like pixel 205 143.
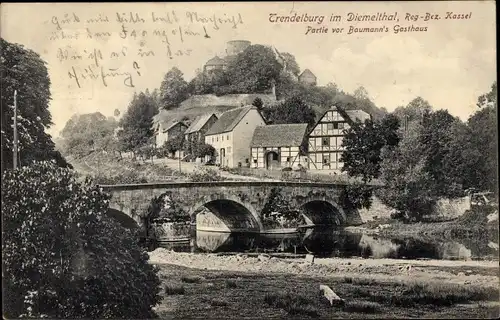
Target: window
pixel 330 126
pixel 325 141
pixel 326 160
pixel 336 125
pixel 288 159
pixel 247 161
pixel 341 125
pixel 228 149
pixel 212 139
pixel 217 138
pixel 227 137
pixel 254 160
pixel 222 138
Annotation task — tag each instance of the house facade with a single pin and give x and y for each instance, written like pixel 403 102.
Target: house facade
pixel 278 146
pixel 325 139
pixel 195 133
pixel 231 136
pixel 168 131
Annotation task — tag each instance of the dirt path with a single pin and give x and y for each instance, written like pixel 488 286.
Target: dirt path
pixel 483 273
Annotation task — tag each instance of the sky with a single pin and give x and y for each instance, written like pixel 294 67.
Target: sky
pixel 450 64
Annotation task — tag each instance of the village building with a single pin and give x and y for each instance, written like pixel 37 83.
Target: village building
pixel 195 133
pixel 325 139
pixel 307 77
pixel 231 136
pixel 279 146
pixel 215 63
pixel 165 131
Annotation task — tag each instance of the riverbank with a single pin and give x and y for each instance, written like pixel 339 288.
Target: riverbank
pixel 215 286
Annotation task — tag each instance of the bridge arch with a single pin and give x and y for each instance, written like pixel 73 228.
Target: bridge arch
pixel 124 219
pixel 322 210
pixel 236 213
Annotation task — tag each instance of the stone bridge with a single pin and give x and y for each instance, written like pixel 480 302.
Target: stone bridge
pixel 237 203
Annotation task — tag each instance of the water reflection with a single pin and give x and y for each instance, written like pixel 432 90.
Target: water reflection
pixel 328 242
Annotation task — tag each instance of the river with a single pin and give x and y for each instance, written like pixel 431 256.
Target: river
pixel 331 242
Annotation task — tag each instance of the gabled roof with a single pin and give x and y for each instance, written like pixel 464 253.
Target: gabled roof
pixel 229 120
pixel 216 61
pixel 173 125
pixel 348 115
pixel 199 122
pixel 307 72
pixel 358 115
pixel 279 135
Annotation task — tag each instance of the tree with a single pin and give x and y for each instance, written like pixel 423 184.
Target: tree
pixel 175 144
pixel 484 138
pixel 63 257
pixel 361 93
pixel 363 143
pixel 436 135
pixel 201 150
pixel 292 110
pixel 253 70
pixel 137 123
pixel 87 133
pixel 473 148
pixel 23 70
pixel 258 103
pixel 333 87
pixel 290 62
pixel 414 111
pixel 408 187
pixel 488 99
pixel 173 89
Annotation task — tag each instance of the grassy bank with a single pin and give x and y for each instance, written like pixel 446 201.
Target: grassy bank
pixel 192 293
pixel 108 169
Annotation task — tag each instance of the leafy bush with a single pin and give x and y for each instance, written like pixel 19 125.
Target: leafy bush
pixel 231 283
pixel 164 206
pixel 63 257
pixel 201 150
pixel 127 177
pixel 278 213
pixel 356 196
pixel 174 288
pixel 204 174
pixel 192 279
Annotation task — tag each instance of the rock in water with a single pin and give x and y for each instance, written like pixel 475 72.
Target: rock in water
pixel 263 257
pixel 331 296
pixel 309 258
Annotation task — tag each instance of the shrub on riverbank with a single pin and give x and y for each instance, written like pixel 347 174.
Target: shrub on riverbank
pixel 63 257
pixel 204 174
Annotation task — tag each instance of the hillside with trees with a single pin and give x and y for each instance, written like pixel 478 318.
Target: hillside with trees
pixel 256 70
